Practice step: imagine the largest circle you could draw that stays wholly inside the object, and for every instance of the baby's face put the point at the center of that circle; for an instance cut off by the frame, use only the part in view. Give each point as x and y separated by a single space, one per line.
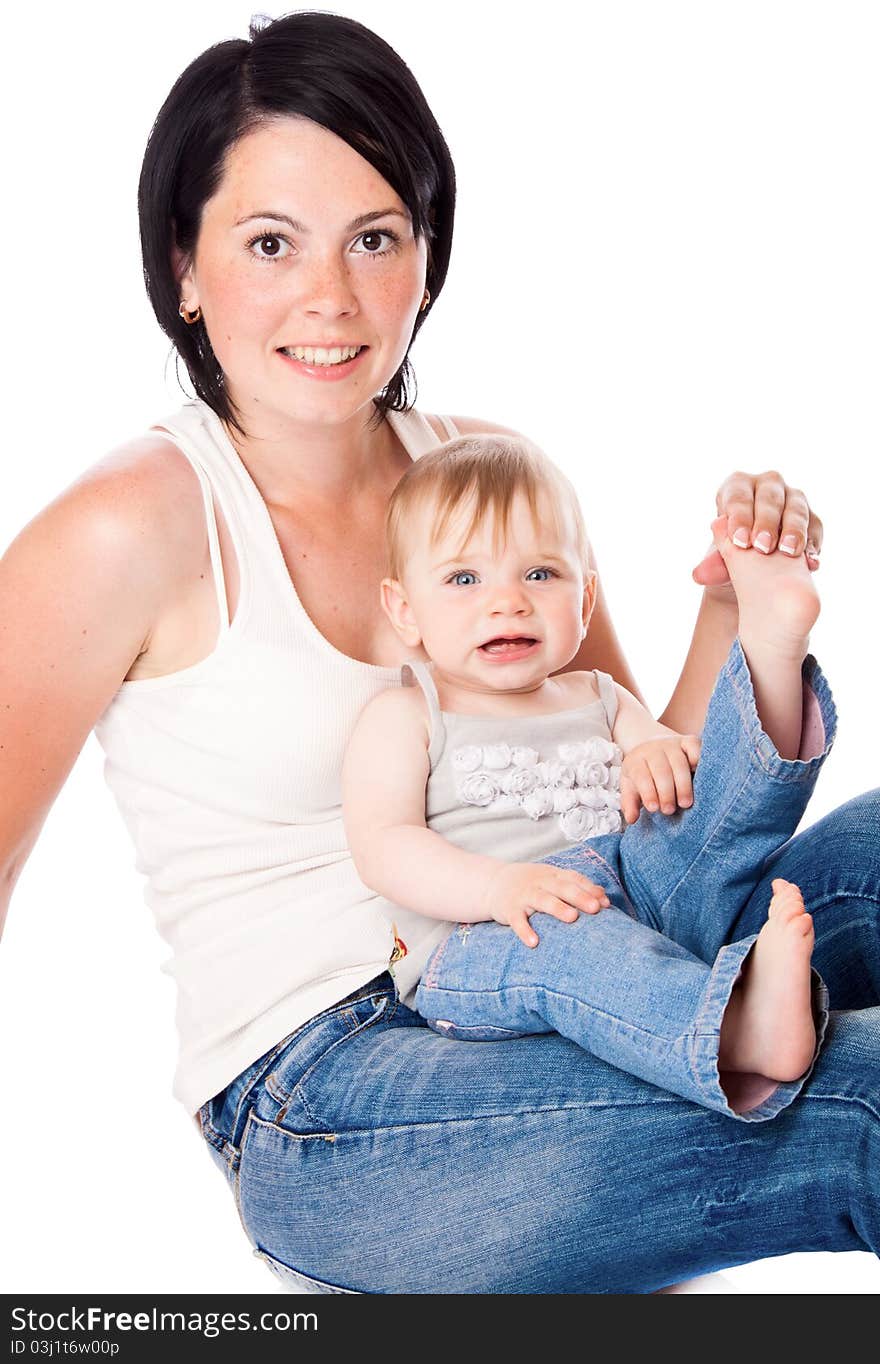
499 618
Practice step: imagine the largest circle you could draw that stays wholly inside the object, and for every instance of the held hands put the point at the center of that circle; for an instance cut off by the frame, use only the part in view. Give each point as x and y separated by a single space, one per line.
657 775
762 511
520 889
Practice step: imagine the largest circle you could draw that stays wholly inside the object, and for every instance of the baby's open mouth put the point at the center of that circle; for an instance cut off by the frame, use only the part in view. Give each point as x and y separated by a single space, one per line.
506 645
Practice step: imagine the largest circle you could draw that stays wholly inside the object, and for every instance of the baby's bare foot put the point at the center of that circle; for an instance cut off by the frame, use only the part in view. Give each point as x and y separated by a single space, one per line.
768 1024
776 596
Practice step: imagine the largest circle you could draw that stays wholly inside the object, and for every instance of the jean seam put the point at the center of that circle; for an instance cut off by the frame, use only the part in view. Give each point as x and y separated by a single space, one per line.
634 1028
282 1096
777 768
719 989
297 1090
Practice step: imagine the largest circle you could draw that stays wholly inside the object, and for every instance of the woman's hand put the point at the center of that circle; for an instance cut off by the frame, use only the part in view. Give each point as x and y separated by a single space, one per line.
764 513
520 889
657 775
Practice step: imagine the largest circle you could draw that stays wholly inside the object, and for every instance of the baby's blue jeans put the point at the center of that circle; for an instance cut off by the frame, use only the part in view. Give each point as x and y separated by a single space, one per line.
633 984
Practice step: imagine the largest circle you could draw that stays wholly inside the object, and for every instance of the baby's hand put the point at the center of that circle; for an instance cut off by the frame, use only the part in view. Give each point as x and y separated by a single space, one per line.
657 774
520 889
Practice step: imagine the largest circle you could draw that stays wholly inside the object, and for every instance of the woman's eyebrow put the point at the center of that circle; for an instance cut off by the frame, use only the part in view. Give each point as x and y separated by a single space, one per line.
361 221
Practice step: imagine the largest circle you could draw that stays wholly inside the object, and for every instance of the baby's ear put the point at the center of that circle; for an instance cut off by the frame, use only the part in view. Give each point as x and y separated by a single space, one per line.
395 604
591 584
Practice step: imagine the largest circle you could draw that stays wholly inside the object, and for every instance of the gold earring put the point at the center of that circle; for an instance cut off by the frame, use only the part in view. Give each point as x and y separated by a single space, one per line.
425 301
189 318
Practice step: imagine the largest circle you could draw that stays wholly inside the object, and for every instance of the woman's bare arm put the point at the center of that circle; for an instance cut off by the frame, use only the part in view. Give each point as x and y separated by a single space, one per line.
80 589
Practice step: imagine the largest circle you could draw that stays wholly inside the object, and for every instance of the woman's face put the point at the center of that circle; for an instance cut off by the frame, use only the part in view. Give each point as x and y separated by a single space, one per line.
303 246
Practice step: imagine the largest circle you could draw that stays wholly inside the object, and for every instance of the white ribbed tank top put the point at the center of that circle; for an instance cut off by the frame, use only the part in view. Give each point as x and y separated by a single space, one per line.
227 774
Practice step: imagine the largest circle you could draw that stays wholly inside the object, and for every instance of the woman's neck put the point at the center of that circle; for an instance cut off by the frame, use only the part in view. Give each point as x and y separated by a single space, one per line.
320 464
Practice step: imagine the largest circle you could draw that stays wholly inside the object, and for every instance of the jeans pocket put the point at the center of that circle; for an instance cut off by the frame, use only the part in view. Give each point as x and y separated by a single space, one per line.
294 1281
283 1087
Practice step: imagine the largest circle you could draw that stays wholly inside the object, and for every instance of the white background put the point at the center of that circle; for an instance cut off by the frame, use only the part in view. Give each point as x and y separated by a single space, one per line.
665 268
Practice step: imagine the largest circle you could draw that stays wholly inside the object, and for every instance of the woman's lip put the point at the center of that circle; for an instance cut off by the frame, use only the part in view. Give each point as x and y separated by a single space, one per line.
324 373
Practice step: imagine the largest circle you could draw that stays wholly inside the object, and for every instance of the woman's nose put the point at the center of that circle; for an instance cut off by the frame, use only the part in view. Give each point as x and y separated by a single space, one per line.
325 288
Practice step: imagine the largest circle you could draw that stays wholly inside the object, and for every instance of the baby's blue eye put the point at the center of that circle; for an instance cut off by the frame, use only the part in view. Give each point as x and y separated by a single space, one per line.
465 573
547 573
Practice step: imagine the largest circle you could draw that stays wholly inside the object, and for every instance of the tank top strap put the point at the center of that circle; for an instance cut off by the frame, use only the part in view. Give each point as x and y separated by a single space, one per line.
608 696
188 450
449 427
417 673
417 434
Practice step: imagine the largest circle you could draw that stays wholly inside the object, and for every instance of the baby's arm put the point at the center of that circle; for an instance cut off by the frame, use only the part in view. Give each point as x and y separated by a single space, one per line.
384 777
657 763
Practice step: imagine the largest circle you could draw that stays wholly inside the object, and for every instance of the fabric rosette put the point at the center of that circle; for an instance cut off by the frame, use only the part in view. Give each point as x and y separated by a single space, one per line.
564 799
478 788
538 802
579 823
591 772
556 774
467 758
519 781
496 757
597 749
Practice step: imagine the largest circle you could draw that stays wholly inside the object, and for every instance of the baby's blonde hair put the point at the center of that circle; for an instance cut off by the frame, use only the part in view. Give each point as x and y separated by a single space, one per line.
488 471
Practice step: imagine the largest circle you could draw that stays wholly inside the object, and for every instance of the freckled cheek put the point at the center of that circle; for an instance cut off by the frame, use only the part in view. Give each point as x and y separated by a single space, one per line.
238 312
394 302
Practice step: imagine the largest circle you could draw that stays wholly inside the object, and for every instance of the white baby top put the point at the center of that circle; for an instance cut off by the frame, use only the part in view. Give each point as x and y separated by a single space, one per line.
227 774
518 788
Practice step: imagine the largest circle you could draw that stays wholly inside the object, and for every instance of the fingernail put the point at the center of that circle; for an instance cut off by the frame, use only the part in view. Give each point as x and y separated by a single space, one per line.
741 538
764 541
813 551
788 544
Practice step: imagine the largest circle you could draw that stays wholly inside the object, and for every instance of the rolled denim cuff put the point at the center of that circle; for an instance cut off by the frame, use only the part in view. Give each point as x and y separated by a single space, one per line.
819 719
759 1098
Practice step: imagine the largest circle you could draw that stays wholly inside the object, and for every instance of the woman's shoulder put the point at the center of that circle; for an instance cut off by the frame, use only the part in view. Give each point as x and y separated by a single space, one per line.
470 426
136 510
145 487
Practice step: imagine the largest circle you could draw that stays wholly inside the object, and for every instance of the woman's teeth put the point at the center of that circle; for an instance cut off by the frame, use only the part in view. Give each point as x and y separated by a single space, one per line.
318 355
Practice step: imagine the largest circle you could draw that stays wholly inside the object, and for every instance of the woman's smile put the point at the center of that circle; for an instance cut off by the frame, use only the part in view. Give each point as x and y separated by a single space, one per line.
324 363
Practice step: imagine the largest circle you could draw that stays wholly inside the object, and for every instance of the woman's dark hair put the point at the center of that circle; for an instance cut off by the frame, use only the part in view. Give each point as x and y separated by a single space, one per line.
314 65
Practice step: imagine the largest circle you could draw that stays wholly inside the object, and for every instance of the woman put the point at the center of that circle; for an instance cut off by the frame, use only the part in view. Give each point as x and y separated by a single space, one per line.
296 195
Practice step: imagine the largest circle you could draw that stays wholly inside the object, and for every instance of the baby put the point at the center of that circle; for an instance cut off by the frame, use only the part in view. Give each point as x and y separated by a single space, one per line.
490 758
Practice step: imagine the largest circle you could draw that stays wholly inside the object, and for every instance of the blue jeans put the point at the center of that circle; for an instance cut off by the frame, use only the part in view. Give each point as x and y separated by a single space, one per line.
612 982
368 1154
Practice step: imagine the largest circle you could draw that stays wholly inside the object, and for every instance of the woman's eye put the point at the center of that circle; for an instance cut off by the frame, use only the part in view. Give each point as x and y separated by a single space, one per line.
376 243
464 579
268 246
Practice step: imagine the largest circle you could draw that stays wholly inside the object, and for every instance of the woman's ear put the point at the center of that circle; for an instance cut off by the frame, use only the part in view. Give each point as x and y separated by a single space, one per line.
182 265
395 604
